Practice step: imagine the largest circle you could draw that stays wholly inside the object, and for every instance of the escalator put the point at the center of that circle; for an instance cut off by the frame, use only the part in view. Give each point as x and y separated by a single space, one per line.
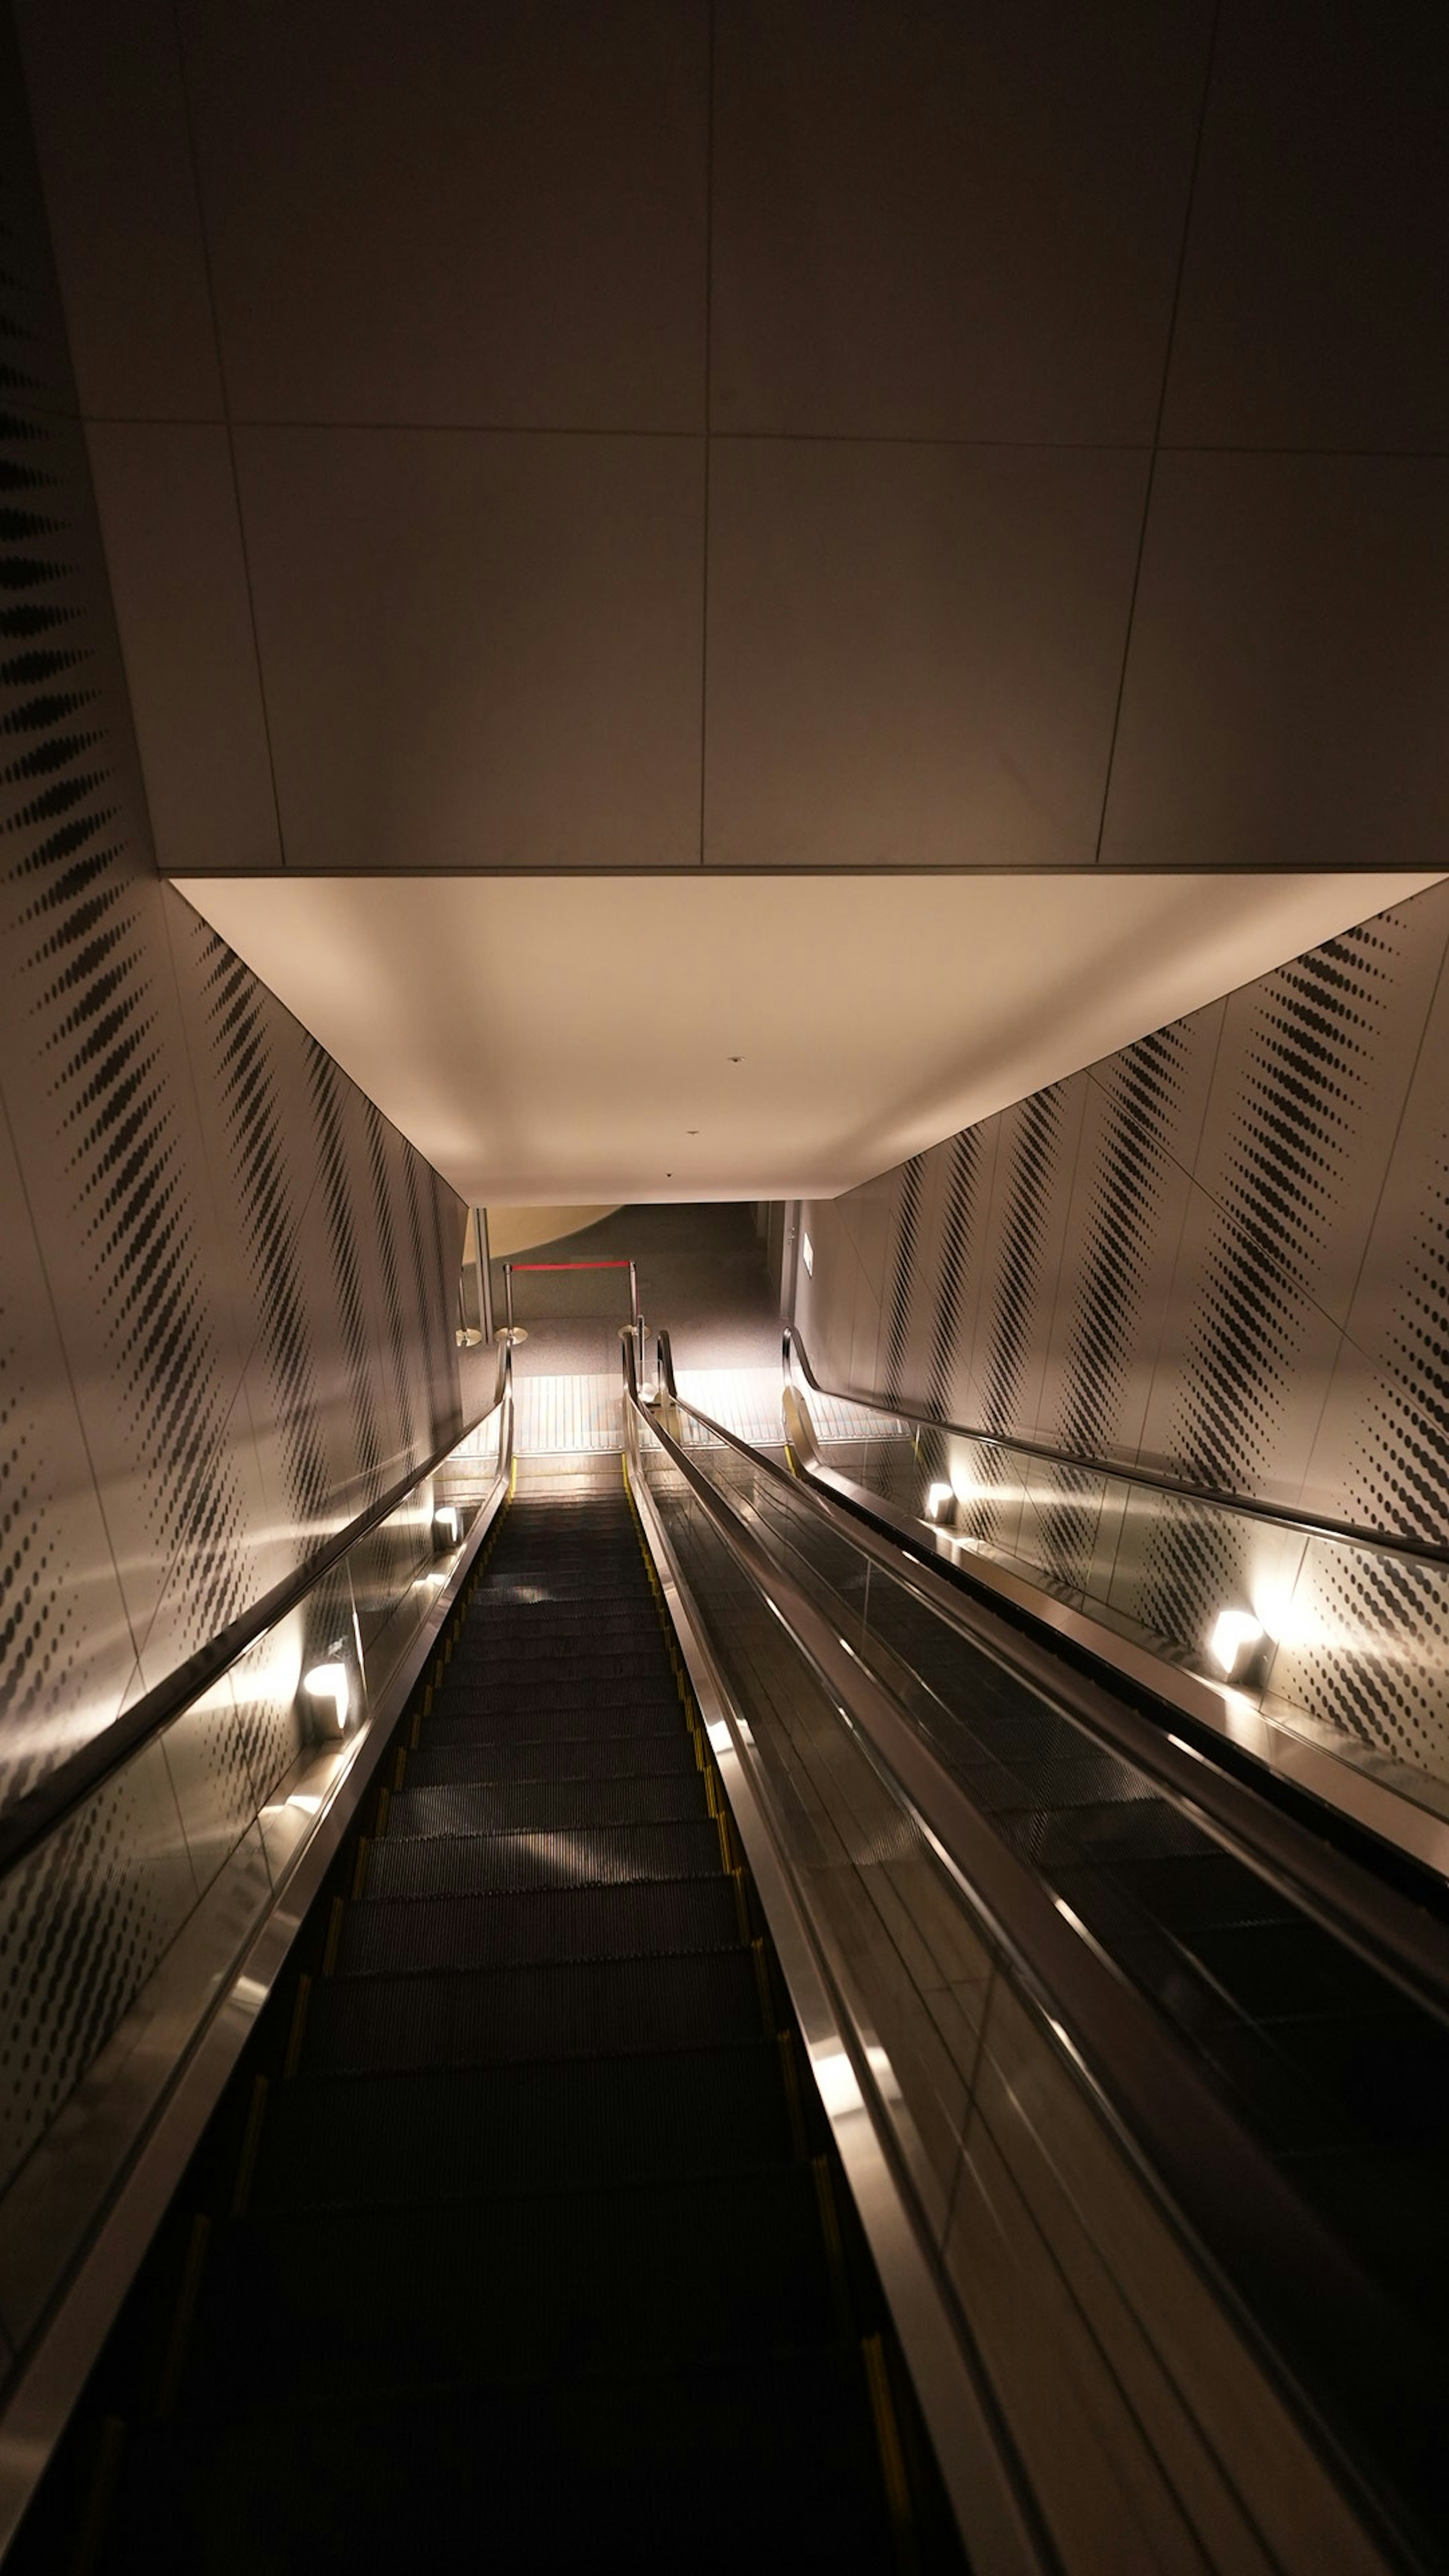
783 2065
1263 2001
519 2234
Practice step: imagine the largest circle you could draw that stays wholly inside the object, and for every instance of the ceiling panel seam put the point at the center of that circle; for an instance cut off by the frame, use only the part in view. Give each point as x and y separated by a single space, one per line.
230 431
1207 80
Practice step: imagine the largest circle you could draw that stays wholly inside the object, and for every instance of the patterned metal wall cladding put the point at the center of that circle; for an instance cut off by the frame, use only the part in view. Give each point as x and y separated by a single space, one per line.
225 1282
1224 1251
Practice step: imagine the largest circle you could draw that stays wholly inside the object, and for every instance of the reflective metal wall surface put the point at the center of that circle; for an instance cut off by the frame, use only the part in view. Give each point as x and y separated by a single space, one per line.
1223 1253
225 1280
226 1287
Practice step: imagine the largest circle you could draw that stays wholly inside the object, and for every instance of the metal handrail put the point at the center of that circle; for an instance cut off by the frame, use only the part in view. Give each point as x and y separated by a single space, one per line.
1285 1515
1247 2223
36 1816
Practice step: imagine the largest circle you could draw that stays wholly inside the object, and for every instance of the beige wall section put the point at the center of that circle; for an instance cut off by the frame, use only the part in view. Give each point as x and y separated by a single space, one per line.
518 1229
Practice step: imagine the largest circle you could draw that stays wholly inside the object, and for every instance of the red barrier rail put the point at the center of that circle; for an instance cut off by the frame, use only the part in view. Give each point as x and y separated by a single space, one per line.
636 1320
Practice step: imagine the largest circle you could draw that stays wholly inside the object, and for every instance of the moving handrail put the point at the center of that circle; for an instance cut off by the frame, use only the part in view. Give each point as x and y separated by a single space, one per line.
1286 1515
36 1815
1335 2336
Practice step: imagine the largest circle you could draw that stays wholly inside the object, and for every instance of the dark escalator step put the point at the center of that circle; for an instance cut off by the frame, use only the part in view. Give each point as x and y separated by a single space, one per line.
546 1806
622 2462
342 2141
499 1676
499 2293
548 1542
535 1585
534 1672
561 1717
556 1923
477 2017
475 1703
601 1856
491 1618
518 1631
589 1757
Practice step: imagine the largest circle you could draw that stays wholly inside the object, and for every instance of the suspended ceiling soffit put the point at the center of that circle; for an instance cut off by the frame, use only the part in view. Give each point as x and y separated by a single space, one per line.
605 1039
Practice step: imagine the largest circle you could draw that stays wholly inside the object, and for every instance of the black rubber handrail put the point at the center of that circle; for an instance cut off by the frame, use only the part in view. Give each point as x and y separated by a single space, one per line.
45 1808
1428 1551
1270 2251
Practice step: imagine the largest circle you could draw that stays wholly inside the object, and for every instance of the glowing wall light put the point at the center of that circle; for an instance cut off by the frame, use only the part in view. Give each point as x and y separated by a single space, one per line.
936 1496
1233 1630
330 1682
447 1525
807 1255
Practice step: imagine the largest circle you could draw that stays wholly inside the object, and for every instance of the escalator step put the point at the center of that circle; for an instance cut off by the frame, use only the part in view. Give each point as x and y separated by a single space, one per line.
558 2478
529 1633
592 1668
602 1856
598 2008
554 1923
353 2142
553 1587
502 2292
545 1806
637 1705
590 1757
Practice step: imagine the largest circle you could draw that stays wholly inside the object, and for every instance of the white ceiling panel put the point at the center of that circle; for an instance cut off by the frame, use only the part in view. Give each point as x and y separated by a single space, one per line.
592 1040
1289 669
486 215
1312 306
478 651
109 110
914 651
940 222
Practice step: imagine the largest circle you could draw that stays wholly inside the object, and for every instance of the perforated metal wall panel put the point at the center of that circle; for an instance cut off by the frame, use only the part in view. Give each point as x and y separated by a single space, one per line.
225 1280
1223 1251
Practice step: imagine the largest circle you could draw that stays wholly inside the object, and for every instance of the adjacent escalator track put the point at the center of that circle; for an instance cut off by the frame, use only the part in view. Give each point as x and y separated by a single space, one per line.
522 2231
1267 2017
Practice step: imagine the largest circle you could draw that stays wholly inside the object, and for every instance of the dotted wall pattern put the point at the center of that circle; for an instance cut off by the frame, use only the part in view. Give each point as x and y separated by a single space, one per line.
226 1283
951 1315
43 1644
905 1254
1311 1051
1253 1294
1028 1165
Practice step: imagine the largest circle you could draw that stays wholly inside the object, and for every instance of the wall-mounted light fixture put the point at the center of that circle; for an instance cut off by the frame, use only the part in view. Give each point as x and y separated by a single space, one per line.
447 1525
936 1495
1232 1631
807 1255
330 1682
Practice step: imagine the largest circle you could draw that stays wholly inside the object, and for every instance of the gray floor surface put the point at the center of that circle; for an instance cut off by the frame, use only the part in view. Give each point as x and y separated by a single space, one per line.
702 1272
